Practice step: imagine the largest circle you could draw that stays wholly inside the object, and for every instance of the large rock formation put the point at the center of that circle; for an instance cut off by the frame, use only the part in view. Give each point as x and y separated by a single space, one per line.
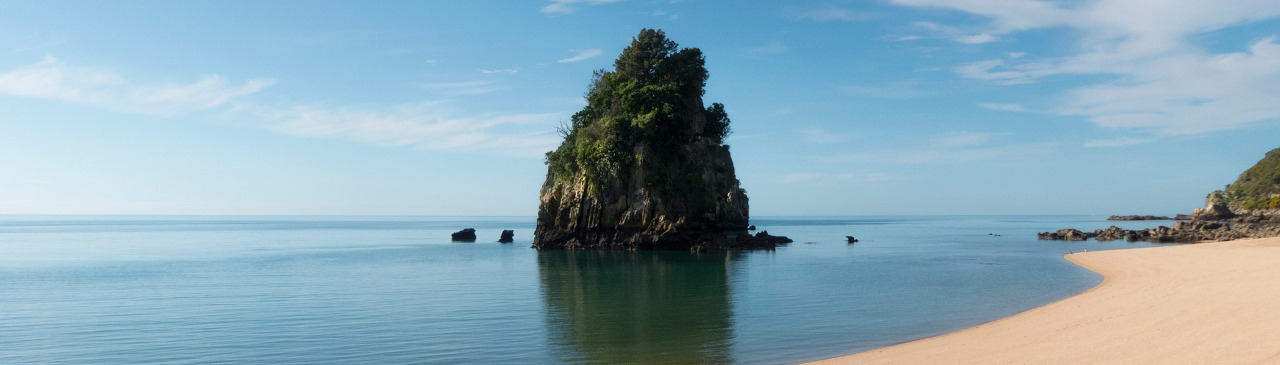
644 164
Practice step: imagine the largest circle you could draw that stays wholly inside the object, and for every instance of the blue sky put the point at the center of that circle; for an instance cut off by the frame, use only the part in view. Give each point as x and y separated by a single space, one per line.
446 107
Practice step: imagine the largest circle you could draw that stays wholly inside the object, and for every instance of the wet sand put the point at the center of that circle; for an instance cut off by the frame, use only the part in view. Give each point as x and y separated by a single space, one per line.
1208 303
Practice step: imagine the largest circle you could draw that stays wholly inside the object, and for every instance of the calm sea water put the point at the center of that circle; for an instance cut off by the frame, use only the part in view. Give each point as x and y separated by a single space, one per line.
379 290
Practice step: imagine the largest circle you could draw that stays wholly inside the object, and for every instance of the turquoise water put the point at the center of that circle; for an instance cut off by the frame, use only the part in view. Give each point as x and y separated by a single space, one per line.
376 290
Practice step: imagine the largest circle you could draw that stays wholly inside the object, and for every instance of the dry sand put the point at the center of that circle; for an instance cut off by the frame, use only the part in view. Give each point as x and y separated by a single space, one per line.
1209 303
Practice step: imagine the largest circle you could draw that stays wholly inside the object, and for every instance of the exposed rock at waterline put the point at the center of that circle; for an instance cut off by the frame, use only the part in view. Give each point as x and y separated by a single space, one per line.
465 235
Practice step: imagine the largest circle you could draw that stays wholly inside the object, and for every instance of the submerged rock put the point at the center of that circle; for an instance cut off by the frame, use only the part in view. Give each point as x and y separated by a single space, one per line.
465 235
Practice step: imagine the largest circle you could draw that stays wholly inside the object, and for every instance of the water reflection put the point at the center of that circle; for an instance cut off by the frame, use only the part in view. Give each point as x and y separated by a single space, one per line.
637 307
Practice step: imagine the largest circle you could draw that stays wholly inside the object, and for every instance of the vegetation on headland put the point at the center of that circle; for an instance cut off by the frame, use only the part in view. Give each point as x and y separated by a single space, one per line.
1257 188
638 115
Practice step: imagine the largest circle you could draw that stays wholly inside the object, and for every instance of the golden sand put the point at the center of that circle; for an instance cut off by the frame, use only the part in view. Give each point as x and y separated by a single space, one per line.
1209 303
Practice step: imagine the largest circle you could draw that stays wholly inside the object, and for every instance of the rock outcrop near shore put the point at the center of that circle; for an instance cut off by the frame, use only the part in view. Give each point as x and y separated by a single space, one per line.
465 235
1140 218
644 164
1247 208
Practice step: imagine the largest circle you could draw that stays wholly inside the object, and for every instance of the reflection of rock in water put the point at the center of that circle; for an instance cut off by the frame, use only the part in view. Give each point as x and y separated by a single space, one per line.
613 307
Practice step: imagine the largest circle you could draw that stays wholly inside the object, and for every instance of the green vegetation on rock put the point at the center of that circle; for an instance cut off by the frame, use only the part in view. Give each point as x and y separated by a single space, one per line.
1257 188
638 114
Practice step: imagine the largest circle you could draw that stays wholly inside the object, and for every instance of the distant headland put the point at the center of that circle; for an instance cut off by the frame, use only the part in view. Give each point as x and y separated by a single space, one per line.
1247 208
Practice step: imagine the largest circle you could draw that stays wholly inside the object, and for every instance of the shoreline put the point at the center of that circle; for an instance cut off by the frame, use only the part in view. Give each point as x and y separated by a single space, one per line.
1200 303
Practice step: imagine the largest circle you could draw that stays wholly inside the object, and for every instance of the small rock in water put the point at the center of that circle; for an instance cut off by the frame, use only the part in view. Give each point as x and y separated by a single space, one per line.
508 236
751 228
465 235
851 239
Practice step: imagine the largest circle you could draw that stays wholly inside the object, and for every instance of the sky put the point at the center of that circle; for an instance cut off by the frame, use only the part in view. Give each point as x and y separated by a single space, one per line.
873 107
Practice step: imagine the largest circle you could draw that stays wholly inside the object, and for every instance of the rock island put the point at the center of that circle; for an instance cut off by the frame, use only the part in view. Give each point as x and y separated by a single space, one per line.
644 165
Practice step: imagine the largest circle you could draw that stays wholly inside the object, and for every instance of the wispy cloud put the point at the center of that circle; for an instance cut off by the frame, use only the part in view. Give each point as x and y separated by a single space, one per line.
822 135
832 13
1003 107
864 177
461 87
583 55
953 147
1118 142
956 34
964 139
54 80
796 177
425 125
1162 83
977 38
768 48
848 178
908 89
569 6
434 125
491 71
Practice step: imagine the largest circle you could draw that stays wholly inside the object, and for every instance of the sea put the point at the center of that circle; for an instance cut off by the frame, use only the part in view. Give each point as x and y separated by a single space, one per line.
396 290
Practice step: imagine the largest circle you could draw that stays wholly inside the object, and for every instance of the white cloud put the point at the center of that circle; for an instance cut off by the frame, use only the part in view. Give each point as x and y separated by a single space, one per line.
54 80
569 6
426 125
833 13
1161 82
583 55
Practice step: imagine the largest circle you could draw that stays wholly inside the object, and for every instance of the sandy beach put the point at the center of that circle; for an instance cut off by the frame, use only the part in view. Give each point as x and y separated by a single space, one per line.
1209 303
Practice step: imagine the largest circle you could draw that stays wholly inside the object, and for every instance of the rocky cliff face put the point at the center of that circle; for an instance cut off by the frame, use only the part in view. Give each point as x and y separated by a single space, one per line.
643 165
627 213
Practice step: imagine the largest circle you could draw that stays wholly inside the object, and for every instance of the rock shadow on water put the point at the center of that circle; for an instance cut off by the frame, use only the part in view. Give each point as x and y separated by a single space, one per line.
637 307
